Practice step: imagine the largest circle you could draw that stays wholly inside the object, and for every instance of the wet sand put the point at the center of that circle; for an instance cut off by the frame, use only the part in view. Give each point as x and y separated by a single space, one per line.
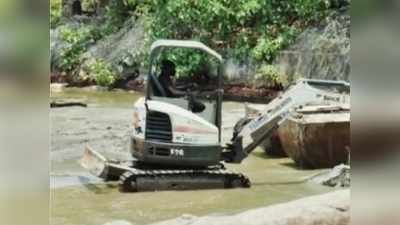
81 199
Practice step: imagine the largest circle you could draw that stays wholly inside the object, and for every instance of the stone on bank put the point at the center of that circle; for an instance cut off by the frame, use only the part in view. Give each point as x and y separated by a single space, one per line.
328 209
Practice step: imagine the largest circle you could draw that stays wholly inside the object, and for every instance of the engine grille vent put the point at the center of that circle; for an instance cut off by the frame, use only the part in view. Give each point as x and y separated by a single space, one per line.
158 127
160 151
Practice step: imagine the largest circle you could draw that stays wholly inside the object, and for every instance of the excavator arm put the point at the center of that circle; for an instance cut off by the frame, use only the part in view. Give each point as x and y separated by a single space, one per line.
303 92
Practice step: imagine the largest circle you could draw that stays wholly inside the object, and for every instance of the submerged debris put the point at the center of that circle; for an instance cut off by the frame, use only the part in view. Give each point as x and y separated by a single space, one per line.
339 176
55 104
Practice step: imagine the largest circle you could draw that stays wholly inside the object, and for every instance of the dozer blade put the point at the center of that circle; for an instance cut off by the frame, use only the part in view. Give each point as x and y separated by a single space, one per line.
99 166
94 162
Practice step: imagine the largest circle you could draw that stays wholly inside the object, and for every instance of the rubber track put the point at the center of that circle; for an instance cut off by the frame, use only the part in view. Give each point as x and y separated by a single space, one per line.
136 173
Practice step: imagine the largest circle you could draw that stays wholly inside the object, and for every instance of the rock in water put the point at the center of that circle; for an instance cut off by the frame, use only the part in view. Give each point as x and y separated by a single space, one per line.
118 222
327 209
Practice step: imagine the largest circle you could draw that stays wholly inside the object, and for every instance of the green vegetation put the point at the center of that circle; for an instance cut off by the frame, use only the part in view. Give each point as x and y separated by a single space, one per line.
242 30
255 29
55 12
101 72
190 62
245 30
117 13
267 75
89 5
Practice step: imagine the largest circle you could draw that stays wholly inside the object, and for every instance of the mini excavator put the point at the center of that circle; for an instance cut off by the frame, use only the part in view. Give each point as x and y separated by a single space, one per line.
177 147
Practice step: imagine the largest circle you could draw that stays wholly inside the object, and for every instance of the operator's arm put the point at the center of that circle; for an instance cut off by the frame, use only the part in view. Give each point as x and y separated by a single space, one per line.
183 86
169 87
181 90
176 92
186 86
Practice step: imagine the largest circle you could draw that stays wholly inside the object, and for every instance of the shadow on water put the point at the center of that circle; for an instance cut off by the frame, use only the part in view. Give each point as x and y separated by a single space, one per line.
293 165
92 98
263 155
279 183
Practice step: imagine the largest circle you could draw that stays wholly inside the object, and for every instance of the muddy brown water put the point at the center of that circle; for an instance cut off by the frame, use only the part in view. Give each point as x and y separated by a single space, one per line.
80 199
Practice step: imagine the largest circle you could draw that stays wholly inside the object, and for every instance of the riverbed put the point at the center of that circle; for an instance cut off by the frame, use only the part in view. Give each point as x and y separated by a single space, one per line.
80 199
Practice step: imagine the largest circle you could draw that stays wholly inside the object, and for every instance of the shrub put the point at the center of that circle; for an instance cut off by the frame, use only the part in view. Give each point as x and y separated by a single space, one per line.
267 47
117 12
89 5
267 75
101 72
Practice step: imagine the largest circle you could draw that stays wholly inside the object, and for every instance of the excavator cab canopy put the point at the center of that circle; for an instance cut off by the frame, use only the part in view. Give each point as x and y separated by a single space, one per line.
163 45
204 97
159 45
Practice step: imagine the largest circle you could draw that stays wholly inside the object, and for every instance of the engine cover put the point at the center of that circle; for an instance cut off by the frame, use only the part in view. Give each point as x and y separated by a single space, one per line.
166 134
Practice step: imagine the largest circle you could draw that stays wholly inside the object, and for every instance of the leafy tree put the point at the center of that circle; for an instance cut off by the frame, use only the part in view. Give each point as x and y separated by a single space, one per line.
245 30
241 29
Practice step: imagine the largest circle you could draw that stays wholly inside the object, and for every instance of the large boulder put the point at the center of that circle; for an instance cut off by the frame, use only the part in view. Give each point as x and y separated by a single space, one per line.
327 209
320 52
122 49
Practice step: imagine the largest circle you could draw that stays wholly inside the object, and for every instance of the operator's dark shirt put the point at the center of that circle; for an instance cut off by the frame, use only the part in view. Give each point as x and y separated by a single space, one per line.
166 83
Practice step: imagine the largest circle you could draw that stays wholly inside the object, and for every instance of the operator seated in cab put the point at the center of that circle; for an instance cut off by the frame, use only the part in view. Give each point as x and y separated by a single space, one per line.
172 91
165 79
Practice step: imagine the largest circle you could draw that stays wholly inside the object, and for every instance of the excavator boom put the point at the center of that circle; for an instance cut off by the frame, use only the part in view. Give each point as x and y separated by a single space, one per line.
304 91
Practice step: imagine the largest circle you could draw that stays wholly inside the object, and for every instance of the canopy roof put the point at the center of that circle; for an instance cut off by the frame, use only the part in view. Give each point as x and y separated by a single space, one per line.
183 44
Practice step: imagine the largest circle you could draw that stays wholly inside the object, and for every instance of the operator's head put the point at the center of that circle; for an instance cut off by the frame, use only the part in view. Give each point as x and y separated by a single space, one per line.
168 67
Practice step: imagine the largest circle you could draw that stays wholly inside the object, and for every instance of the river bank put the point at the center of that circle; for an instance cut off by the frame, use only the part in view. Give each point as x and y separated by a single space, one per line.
332 209
232 92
